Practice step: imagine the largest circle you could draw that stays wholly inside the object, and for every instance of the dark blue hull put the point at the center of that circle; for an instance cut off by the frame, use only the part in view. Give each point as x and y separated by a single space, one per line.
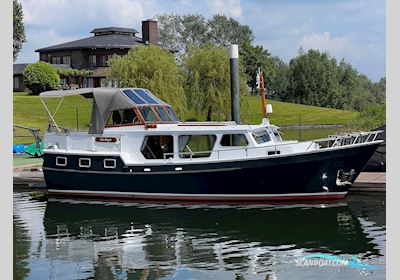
323 174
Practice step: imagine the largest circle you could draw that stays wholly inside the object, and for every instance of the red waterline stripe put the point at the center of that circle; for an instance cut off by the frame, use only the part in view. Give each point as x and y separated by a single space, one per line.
202 198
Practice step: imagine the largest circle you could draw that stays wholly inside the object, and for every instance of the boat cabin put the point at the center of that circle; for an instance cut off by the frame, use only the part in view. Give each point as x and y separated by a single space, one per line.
147 110
140 127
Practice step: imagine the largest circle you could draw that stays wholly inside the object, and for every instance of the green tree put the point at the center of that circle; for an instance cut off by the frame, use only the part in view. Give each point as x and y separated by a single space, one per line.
381 91
254 58
153 68
207 80
313 79
193 30
279 79
18 29
40 76
170 31
224 31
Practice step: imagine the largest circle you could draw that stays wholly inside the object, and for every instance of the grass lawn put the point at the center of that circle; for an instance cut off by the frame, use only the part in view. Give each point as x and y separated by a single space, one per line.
29 111
286 113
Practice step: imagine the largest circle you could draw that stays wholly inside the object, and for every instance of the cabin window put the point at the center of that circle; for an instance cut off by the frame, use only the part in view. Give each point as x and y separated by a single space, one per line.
119 117
110 163
277 136
229 140
261 136
148 114
196 146
132 96
163 115
61 161
145 96
155 146
84 162
172 114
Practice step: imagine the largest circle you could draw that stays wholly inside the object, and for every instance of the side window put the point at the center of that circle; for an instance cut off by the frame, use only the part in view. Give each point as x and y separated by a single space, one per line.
261 136
109 163
277 136
129 116
61 161
196 146
229 140
154 147
125 116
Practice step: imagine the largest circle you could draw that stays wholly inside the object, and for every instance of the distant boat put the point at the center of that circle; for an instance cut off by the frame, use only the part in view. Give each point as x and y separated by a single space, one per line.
137 148
378 160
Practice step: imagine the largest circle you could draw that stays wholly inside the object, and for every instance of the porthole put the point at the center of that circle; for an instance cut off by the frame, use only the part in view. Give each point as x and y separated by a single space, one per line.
84 162
61 161
110 163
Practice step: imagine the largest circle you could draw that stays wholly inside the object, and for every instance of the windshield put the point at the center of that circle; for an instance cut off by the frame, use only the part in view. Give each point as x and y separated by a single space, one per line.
261 136
148 114
162 114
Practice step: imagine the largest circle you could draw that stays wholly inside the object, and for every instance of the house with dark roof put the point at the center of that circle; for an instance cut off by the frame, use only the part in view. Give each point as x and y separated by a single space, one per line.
93 52
18 79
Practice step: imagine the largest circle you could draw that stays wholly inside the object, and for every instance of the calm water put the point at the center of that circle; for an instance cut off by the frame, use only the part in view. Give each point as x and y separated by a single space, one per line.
65 239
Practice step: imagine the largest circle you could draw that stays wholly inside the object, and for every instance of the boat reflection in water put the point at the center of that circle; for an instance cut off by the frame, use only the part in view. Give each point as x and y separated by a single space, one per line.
157 240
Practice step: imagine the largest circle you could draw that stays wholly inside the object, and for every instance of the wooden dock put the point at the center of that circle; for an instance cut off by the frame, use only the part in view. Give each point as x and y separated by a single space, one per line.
370 182
366 181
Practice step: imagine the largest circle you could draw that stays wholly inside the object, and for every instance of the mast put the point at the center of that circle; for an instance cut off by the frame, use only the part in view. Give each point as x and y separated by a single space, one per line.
260 85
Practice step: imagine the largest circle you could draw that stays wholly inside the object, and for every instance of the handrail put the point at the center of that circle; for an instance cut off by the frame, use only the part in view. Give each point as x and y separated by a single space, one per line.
334 138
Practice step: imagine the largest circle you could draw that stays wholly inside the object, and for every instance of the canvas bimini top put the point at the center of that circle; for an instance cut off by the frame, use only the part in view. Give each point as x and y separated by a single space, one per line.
119 106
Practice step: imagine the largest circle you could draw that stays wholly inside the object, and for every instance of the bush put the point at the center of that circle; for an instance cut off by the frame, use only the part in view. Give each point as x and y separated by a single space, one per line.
40 76
373 116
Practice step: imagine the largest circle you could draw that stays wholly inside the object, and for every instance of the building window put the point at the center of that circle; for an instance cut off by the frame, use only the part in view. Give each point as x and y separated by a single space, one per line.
154 147
56 60
92 61
63 82
196 146
229 140
102 60
16 82
89 82
66 59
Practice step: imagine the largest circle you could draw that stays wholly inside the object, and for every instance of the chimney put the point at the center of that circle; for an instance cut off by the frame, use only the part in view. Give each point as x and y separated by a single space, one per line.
149 32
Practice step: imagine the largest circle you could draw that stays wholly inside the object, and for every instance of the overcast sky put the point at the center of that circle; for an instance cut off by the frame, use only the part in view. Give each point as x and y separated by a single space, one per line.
349 29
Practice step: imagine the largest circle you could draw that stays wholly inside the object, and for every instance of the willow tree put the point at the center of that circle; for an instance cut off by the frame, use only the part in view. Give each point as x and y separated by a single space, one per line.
207 80
18 29
153 68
